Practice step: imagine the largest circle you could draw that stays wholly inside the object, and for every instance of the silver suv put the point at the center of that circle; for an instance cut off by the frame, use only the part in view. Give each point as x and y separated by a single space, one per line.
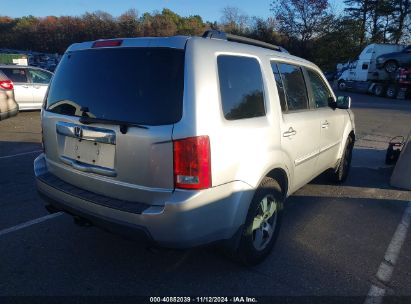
188 140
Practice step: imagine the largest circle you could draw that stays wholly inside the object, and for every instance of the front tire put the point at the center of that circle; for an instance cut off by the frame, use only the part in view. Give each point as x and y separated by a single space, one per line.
262 223
340 174
378 90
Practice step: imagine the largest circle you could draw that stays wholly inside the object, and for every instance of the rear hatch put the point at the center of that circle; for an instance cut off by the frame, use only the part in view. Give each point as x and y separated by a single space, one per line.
109 117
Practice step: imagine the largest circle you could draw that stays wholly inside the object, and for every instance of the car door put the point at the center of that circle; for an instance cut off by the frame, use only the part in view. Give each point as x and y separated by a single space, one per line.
300 127
332 120
22 87
40 81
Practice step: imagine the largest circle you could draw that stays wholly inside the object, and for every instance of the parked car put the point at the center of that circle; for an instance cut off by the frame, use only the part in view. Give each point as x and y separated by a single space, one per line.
8 105
30 85
188 140
392 61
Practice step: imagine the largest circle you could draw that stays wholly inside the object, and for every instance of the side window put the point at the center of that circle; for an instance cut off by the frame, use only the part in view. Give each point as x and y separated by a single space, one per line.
280 86
38 76
321 94
16 75
241 87
294 85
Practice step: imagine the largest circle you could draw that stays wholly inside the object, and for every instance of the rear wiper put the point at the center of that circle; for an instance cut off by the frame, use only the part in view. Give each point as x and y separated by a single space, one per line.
124 125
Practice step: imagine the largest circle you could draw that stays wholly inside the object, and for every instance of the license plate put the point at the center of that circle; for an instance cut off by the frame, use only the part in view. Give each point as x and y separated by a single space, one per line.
89 152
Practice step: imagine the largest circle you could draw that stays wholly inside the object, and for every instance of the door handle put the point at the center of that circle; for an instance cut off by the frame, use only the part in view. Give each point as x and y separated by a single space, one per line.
37 87
26 86
325 125
290 132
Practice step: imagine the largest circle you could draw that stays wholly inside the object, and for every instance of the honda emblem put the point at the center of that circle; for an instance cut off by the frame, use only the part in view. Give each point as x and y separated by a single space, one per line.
78 132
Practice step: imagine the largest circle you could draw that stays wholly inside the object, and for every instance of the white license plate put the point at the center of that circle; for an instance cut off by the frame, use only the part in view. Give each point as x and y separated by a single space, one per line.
90 152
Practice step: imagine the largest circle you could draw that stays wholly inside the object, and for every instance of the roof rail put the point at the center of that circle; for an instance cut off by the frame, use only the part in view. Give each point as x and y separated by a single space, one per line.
215 34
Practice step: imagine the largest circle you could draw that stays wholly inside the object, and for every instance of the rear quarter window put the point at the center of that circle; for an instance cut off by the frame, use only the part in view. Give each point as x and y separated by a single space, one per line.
241 87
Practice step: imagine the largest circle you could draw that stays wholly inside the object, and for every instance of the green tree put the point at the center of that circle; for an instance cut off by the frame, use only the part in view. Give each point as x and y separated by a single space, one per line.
359 10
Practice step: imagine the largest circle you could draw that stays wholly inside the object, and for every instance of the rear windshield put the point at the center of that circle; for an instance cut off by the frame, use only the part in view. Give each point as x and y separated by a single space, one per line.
138 85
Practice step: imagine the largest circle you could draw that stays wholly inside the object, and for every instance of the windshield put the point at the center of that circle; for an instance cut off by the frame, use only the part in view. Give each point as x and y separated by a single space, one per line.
139 85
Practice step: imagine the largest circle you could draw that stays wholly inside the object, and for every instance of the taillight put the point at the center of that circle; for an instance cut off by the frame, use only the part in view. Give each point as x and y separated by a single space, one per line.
107 43
6 84
192 163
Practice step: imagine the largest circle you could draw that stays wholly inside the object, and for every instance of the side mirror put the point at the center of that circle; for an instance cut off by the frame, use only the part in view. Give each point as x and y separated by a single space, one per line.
343 102
332 103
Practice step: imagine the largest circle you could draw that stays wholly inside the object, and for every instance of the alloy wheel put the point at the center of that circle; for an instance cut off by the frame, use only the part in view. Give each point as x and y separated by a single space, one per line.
264 223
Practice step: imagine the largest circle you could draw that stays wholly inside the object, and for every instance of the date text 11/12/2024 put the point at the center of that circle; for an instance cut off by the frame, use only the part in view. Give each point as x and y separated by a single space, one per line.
203 300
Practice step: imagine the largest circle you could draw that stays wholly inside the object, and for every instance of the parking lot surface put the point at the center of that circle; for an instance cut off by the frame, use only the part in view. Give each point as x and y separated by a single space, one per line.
333 239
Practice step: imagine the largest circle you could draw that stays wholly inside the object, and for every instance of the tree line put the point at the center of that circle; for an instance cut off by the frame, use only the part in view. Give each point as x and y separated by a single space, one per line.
313 29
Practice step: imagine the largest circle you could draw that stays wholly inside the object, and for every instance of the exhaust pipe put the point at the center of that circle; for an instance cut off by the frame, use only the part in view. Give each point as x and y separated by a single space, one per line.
81 221
51 209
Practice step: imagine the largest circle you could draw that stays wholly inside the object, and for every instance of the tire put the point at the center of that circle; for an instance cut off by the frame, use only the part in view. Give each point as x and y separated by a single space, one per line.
342 86
262 224
378 90
340 174
390 66
391 91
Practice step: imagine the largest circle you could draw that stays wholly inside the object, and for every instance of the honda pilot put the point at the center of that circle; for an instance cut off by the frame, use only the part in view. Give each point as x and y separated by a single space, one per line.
187 141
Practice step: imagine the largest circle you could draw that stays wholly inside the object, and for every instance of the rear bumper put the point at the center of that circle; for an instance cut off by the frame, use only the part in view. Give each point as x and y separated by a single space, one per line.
10 113
186 219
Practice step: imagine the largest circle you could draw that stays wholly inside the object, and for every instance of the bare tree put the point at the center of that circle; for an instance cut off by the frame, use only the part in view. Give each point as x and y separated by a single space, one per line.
301 19
234 20
401 12
359 10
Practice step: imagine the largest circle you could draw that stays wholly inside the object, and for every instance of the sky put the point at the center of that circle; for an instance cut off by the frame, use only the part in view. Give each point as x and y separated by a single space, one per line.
209 10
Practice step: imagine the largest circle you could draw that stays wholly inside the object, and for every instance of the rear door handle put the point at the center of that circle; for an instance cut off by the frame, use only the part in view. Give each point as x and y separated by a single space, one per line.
325 125
290 132
26 86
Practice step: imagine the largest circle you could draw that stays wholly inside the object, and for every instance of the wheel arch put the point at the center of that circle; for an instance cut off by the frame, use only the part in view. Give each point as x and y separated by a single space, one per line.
349 132
280 175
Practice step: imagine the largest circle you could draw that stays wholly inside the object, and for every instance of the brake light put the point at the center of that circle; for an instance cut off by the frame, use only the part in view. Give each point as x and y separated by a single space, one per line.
6 84
192 163
107 43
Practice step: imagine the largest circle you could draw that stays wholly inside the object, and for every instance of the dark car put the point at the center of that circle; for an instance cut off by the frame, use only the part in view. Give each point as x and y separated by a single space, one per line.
392 61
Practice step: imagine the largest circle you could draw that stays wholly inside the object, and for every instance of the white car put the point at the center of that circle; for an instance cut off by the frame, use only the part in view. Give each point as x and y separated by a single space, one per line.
30 85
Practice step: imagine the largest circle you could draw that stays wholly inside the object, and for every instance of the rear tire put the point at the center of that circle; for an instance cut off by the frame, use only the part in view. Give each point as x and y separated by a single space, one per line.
262 224
340 174
391 91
